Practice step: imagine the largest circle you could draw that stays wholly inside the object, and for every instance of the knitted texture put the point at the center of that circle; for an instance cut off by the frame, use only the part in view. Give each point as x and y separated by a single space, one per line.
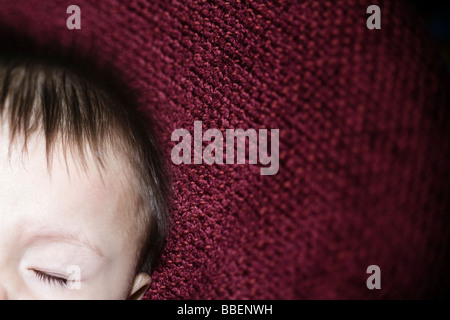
364 139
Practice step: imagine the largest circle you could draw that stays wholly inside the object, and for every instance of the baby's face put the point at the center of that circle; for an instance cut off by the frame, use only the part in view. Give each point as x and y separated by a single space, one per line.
64 234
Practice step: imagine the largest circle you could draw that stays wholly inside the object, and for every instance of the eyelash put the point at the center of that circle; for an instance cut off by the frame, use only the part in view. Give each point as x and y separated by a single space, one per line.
50 279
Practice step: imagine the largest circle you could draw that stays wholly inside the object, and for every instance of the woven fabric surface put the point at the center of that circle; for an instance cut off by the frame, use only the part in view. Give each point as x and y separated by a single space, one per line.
364 139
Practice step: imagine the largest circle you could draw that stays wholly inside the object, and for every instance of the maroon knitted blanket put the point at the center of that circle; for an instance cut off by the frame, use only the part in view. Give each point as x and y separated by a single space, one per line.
363 119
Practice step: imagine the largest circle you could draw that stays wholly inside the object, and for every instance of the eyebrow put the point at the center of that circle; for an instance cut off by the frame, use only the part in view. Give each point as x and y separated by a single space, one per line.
71 238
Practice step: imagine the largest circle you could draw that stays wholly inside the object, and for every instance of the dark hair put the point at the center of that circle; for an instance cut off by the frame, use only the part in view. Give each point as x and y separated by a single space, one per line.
79 111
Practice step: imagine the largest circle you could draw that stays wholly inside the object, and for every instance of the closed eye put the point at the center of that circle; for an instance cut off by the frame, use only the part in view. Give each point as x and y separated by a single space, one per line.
50 278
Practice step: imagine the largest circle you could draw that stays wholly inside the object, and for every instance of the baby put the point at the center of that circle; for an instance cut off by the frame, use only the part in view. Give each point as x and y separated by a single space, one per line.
83 188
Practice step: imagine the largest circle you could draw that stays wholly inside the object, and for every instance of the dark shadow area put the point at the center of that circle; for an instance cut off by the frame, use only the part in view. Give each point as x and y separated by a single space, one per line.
437 17
19 45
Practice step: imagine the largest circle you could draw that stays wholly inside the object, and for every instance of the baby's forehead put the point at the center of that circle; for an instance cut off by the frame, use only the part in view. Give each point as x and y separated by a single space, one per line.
100 148
69 195
63 178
